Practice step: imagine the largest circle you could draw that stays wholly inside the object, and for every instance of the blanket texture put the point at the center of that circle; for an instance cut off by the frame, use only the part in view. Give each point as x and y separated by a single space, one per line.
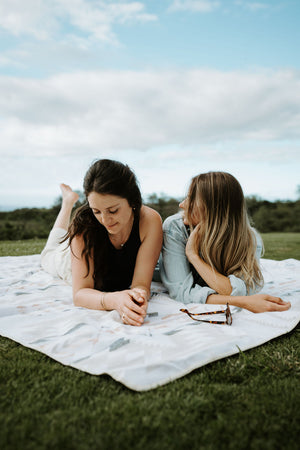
36 310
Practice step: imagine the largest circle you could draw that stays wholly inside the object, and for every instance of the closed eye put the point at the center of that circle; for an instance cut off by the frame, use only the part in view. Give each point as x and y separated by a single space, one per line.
96 211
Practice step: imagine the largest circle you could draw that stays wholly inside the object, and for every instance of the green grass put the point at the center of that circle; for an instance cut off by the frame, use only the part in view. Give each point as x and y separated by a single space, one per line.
280 246
247 401
26 247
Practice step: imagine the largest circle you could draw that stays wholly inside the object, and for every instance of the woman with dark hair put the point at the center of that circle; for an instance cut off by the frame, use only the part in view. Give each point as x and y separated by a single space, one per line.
210 253
114 239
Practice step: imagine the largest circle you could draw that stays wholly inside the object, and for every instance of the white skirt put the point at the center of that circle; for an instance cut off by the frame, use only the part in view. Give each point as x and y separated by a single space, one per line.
56 257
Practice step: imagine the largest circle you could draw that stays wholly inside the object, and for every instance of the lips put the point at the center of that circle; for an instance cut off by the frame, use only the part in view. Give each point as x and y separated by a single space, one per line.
110 227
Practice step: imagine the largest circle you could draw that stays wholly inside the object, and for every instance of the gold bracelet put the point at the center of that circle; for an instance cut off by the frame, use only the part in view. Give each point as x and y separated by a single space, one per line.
102 301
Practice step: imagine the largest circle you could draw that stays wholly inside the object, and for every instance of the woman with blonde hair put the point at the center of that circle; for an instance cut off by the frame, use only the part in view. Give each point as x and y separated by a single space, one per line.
210 253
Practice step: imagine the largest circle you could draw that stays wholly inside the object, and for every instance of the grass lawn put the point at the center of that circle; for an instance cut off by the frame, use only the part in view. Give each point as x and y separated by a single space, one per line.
246 401
18 248
280 246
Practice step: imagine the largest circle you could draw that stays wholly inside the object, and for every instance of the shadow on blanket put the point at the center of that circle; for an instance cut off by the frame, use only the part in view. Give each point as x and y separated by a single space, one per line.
36 310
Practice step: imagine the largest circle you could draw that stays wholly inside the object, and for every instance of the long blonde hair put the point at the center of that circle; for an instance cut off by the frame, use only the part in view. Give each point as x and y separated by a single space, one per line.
225 239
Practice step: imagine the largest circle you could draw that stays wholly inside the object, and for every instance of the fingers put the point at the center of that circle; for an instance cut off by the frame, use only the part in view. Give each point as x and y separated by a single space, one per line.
136 307
138 295
259 303
273 299
133 314
131 318
139 301
281 305
132 308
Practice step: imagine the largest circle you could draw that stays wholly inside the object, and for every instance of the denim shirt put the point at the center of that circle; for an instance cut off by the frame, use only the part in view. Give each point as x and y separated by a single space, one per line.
175 269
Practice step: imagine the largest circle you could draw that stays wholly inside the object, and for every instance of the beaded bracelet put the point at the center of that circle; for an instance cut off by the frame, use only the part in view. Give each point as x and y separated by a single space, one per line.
102 301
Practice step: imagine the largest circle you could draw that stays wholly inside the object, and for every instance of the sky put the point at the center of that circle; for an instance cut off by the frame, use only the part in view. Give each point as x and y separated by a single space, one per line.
173 88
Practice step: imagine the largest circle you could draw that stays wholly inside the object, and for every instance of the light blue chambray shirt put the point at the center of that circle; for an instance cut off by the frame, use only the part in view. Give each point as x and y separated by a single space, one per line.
175 271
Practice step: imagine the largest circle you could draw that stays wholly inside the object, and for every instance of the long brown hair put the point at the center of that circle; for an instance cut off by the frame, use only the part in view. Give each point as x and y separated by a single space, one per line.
104 176
225 239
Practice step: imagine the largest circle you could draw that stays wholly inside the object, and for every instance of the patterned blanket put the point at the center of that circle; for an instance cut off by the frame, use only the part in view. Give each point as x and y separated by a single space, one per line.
36 310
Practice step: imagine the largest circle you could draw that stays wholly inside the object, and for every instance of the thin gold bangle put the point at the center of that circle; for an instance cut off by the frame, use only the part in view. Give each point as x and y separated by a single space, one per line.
102 304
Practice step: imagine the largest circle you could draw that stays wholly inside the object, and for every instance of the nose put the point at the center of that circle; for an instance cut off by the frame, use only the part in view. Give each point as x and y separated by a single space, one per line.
106 219
182 204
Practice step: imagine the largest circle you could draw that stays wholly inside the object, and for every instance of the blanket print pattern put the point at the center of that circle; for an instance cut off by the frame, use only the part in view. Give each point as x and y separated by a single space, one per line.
36 310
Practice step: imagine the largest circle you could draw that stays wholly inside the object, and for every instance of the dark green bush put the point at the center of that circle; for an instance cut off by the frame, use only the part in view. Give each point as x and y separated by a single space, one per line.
267 217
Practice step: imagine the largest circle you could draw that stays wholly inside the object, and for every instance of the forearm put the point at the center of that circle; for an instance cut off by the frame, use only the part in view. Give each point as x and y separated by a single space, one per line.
242 301
217 299
94 299
256 303
216 281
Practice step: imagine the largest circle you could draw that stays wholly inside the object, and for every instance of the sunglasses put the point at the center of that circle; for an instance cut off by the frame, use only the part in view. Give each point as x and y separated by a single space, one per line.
226 311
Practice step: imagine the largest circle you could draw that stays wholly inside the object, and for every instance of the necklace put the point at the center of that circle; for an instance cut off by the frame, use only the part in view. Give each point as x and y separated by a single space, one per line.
123 242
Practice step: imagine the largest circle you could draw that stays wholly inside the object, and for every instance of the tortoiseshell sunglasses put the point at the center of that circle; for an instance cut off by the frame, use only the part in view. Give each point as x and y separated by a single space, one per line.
226 311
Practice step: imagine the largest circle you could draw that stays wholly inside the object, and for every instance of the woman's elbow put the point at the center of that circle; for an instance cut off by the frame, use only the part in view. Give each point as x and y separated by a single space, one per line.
76 298
225 291
238 287
175 292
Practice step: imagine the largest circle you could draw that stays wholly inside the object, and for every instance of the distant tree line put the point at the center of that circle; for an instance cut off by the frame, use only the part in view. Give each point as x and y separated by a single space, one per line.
27 223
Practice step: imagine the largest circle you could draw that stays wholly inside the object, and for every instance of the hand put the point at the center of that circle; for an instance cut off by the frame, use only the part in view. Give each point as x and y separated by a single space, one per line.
259 303
132 306
190 248
140 296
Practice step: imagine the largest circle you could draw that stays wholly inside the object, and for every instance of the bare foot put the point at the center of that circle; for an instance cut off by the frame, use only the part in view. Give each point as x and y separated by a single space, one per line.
68 195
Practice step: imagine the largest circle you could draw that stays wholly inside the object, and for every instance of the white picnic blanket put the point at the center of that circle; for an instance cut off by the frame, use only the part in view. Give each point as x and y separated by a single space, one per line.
36 310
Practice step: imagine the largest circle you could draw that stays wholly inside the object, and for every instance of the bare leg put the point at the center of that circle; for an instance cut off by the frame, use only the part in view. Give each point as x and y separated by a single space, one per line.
69 198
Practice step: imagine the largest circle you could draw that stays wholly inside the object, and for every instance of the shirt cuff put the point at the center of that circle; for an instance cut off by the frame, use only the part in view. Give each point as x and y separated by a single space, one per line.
238 286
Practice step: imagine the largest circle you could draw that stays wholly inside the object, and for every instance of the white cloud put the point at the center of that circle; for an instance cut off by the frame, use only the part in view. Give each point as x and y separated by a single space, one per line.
252 6
18 17
205 6
74 113
45 19
201 6
7 60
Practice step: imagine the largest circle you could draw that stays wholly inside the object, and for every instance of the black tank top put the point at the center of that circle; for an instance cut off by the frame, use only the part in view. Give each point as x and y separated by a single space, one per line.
121 262
197 279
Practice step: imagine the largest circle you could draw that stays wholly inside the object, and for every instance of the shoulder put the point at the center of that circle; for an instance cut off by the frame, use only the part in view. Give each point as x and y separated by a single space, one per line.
77 245
258 242
256 236
175 224
150 220
149 215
